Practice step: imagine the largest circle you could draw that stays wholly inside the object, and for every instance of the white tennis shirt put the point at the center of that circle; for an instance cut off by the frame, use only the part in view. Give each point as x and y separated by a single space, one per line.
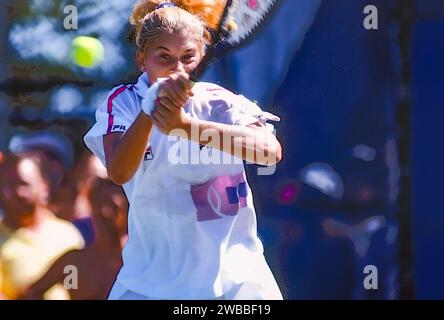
191 227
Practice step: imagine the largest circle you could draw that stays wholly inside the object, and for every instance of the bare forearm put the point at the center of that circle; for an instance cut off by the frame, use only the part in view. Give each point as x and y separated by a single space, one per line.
125 154
253 144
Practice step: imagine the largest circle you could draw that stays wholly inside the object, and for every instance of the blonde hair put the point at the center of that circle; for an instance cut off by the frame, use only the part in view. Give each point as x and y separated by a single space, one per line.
198 17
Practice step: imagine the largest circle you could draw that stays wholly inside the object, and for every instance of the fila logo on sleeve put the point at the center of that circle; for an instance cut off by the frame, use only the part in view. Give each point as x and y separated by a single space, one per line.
118 127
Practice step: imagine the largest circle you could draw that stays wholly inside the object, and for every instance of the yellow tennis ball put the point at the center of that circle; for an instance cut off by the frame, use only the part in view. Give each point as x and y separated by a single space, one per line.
87 52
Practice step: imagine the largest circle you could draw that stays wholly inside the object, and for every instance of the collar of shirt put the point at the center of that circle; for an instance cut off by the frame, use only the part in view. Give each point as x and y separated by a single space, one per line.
142 85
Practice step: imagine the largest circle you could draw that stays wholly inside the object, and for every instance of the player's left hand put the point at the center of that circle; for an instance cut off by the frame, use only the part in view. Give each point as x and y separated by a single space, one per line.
168 116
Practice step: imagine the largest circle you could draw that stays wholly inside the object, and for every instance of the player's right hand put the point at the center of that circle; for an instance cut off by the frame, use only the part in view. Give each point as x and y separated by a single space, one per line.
177 89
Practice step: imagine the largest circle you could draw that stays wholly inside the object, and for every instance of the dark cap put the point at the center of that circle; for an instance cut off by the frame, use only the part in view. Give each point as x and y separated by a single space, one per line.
54 144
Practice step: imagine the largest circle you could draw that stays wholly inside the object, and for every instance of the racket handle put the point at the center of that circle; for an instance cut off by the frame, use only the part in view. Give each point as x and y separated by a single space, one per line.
197 73
210 57
213 49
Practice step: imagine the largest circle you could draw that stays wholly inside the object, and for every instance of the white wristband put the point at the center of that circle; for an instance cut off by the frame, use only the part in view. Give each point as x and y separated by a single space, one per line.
149 102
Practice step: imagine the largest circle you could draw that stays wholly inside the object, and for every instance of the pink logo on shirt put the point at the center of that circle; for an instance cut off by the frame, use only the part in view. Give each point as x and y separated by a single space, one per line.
219 197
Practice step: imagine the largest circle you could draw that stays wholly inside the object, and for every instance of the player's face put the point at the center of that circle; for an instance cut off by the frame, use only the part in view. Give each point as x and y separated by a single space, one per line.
170 53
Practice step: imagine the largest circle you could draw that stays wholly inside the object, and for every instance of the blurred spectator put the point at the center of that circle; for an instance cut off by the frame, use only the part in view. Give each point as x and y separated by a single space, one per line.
4 231
67 194
71 200
37 238
99 263
86 171
63 200
65 204
54 149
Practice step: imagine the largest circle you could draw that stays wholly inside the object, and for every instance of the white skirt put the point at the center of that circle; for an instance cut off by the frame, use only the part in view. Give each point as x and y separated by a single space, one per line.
241 291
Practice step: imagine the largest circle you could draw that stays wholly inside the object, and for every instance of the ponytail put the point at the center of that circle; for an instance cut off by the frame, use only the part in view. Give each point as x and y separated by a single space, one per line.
198 16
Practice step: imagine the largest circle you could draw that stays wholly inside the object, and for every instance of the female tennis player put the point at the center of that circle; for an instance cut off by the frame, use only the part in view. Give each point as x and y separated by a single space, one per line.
173 145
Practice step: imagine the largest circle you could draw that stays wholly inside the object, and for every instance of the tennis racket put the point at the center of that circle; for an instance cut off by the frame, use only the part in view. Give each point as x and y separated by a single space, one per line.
239 21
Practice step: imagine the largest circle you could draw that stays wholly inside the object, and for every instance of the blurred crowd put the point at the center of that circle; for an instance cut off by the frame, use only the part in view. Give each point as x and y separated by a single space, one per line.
62 222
